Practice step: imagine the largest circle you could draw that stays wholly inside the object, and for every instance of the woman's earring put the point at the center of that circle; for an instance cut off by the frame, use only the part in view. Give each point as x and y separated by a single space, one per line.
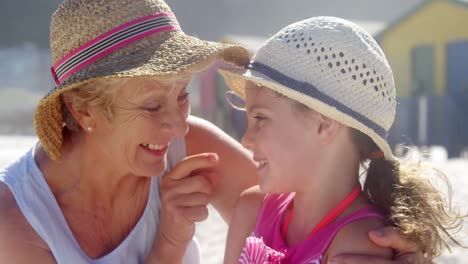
90 129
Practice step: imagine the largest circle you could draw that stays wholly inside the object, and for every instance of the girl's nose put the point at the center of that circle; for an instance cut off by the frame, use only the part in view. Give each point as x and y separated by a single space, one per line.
247 140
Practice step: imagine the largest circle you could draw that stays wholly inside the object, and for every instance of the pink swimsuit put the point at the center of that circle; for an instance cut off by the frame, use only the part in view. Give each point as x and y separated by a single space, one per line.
267 246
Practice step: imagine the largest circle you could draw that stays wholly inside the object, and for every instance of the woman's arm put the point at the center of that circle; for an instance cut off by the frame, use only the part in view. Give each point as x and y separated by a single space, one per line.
242 223
406 251
236 170
19 243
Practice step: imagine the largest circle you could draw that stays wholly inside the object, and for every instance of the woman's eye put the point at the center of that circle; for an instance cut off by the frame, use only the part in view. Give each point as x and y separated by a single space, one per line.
183 97
153 109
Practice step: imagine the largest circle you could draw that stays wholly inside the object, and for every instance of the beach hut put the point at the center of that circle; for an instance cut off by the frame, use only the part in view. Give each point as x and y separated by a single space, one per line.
427 48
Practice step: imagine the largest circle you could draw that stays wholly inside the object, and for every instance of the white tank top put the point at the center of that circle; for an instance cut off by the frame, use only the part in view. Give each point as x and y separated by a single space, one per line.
41 210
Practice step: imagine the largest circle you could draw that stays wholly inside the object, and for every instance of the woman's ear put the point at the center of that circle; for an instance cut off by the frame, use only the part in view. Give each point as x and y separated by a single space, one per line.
327 129
83 117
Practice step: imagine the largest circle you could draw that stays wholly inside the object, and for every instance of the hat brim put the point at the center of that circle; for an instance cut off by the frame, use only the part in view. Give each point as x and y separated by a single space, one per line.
148 57
236 79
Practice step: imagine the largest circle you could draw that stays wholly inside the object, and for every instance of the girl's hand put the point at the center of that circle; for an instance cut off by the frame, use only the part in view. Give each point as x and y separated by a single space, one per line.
406 252
184 193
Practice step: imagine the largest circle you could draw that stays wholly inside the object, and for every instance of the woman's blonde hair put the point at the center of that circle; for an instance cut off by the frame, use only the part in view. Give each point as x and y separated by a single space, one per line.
101 93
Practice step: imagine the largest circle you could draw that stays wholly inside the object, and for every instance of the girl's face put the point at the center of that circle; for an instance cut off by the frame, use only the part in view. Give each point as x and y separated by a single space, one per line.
147 116
281 139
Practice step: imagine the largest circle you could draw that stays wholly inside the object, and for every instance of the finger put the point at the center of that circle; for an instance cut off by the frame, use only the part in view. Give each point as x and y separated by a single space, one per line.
195 213
195 184
359 259
392 237
209 173
192 163
194 199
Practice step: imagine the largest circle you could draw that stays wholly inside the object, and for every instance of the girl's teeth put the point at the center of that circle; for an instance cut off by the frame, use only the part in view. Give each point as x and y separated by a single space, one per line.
262 162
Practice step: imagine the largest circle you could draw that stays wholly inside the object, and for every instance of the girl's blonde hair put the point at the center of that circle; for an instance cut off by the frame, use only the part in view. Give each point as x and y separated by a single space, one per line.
408 200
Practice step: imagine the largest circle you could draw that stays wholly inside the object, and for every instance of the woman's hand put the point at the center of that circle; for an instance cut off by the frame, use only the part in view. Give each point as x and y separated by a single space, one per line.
184 193
406 252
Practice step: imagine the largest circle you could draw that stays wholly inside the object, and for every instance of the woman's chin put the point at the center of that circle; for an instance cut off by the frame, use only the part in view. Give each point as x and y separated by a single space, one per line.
150 170
149 166
155 171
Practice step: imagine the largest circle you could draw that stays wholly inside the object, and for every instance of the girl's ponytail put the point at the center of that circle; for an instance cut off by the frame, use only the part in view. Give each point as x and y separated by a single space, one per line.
381 182
408 200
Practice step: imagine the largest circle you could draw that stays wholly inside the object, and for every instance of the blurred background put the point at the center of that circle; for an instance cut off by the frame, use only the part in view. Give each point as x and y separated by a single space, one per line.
425 41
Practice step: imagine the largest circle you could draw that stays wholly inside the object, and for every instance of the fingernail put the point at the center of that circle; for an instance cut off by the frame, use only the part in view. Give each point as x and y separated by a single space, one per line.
213 157
378 233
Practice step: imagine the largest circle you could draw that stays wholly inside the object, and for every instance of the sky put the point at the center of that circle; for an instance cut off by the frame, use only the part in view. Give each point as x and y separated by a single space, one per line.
28 20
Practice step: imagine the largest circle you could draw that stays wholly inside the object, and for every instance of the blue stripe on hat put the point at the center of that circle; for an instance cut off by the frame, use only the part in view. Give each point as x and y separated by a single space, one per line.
312 91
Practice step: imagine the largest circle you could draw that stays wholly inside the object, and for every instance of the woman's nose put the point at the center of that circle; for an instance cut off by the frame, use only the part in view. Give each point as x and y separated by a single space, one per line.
176 124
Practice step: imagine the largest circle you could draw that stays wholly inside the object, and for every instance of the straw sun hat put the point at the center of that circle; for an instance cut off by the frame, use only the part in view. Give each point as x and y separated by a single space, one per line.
93 39
332 66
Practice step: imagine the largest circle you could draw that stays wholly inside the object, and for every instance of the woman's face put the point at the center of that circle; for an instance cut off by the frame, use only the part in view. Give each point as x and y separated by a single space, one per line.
281 139
147 116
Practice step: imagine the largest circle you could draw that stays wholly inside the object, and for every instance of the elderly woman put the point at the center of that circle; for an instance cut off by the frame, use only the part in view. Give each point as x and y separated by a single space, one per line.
119 115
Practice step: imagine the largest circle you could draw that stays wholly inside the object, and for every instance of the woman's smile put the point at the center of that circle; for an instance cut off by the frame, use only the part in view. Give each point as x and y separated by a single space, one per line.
155 150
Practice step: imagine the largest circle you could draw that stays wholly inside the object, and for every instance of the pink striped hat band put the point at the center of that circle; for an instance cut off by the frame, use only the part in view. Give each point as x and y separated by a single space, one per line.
111 41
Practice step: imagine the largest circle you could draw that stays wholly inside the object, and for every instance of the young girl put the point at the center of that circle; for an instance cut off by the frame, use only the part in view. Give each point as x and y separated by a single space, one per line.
320 100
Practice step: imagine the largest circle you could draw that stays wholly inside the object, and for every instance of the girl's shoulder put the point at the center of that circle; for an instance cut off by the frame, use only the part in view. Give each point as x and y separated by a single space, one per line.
279 199
251 201
243 222
260 206
353 238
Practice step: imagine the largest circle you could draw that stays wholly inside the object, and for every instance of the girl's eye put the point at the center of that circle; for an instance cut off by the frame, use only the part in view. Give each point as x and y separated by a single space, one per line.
259 117
183 97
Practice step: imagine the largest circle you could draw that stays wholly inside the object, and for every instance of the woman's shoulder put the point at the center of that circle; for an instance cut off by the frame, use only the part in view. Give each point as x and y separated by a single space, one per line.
17 165
18 240
11 218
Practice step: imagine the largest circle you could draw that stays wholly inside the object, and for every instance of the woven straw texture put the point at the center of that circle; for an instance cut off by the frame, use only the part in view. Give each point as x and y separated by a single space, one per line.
76 22
334 67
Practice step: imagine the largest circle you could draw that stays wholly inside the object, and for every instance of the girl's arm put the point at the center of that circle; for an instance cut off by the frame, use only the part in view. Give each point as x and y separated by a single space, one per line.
242 223
235 171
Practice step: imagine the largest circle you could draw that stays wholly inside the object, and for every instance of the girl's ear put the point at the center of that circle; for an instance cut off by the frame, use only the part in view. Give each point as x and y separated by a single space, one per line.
327 129
83 117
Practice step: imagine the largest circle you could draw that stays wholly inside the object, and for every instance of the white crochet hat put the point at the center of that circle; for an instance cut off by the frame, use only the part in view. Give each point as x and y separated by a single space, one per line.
332 66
